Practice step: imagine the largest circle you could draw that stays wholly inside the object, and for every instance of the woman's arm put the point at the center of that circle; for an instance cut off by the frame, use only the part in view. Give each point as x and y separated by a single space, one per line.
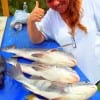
35 16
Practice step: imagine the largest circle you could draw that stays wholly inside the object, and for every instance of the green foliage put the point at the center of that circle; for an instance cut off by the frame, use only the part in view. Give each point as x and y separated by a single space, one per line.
98 87
18 4
0 9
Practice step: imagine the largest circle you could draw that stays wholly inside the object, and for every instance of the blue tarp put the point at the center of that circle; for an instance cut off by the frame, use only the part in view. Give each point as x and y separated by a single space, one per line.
14 90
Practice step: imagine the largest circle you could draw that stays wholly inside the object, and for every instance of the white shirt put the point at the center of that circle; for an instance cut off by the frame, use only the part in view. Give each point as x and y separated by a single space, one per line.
53 27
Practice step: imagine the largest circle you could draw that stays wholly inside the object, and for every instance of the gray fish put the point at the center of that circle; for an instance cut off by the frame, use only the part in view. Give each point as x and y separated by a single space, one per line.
52 73
48 89
50 57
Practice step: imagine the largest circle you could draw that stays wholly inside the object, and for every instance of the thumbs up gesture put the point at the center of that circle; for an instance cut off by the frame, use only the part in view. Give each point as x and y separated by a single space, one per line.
37 13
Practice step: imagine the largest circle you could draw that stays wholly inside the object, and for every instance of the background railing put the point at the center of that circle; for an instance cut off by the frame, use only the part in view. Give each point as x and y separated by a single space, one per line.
4 7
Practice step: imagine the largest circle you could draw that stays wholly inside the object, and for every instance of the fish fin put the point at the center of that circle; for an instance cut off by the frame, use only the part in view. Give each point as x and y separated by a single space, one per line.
40 66
52 50
37 77
37 55
60 98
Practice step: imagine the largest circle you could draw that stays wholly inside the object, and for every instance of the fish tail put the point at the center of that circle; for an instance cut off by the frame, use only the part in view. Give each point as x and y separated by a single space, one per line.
40 66
11 60
15 71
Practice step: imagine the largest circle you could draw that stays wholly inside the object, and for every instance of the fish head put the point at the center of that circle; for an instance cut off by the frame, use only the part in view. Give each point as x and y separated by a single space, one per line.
81 90
61 58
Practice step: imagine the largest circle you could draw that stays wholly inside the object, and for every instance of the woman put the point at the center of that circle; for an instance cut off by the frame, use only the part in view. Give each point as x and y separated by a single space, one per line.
68 22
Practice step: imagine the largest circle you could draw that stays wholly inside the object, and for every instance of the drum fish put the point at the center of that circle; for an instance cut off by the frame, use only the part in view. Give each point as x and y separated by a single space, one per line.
52 73
50 90
51 57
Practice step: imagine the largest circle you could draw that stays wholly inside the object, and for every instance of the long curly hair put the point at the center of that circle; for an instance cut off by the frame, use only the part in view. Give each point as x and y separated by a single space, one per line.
74 13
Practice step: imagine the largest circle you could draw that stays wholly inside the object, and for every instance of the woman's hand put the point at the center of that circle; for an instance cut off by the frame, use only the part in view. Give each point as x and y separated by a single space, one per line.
35 16
37 13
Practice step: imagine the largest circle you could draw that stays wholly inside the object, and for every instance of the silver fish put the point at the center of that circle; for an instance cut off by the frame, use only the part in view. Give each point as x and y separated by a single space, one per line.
52 73
48 89
51 57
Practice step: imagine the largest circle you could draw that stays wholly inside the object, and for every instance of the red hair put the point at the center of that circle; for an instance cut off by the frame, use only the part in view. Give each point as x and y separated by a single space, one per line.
74 14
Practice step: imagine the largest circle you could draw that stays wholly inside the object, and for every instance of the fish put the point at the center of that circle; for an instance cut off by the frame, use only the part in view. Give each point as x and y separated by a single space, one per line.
2 71
58 74
50 57
50 90
55 57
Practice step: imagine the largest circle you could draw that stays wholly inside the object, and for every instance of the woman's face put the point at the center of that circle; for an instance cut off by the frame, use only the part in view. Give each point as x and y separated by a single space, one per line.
58 5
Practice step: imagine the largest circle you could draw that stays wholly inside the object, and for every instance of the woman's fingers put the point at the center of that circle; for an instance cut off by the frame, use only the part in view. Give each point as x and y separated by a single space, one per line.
37 13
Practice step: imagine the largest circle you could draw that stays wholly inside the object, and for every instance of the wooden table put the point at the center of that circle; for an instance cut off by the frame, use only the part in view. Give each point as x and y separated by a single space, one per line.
3 20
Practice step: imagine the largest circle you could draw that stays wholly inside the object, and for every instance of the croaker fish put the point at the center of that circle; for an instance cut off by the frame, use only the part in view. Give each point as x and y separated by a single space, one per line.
51 57
45 88
52 73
